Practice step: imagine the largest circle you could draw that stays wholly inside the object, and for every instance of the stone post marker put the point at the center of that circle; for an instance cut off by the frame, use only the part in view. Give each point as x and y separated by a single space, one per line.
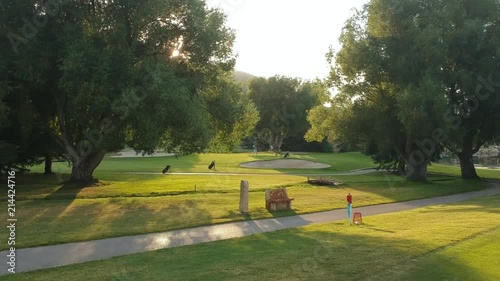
244 196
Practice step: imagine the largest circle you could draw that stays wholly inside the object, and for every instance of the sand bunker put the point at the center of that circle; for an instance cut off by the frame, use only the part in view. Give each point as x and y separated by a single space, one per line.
285 164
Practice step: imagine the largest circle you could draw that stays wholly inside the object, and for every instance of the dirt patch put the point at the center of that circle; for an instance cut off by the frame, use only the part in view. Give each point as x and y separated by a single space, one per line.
285 164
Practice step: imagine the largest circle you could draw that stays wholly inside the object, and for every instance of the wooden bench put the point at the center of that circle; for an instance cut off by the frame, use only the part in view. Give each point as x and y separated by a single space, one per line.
277 200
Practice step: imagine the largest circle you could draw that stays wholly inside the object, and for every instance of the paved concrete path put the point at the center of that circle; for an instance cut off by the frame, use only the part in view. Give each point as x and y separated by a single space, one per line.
71 253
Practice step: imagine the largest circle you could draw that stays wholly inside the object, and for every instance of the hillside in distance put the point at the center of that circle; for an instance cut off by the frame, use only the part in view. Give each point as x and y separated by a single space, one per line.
243 77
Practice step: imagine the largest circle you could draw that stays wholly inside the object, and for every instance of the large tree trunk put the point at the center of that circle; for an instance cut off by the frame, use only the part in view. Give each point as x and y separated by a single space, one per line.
279 143
275 140
467 167
465 156
416 172
416 162
401 166
48 165
84 167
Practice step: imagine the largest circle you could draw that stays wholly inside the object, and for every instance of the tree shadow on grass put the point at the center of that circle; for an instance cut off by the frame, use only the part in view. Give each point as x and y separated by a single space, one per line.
297 255
36 184
50 209
134 216
147 164
64 220
69 191
292 254
30 178
49 222
491 207
69 218
399 189
372 227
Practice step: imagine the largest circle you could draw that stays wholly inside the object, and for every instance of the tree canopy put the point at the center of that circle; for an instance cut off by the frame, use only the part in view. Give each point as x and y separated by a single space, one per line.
407 71
282 103
105 74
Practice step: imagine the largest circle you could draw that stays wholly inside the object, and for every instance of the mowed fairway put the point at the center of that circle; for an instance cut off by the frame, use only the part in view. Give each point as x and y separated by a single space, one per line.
444 242
455 170
127 203
113 167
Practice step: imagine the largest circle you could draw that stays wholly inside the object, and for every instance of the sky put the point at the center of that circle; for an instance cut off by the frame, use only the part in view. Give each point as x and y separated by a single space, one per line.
286 37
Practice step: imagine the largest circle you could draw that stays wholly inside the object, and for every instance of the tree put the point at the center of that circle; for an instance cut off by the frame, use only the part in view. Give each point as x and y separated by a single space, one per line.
282 103
234 115
418 66
463 37
472 77
388 99
121 72
24 113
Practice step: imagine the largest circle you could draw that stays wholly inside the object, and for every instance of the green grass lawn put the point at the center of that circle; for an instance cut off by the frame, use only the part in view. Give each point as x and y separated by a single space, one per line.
444 242
473 259
455 171
126 204
113 168
88 214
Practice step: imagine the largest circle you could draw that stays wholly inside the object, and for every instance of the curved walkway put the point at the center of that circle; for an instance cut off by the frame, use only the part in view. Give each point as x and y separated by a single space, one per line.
71 253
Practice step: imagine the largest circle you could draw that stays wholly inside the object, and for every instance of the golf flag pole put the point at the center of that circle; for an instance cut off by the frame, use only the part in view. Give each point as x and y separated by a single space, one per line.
349 208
